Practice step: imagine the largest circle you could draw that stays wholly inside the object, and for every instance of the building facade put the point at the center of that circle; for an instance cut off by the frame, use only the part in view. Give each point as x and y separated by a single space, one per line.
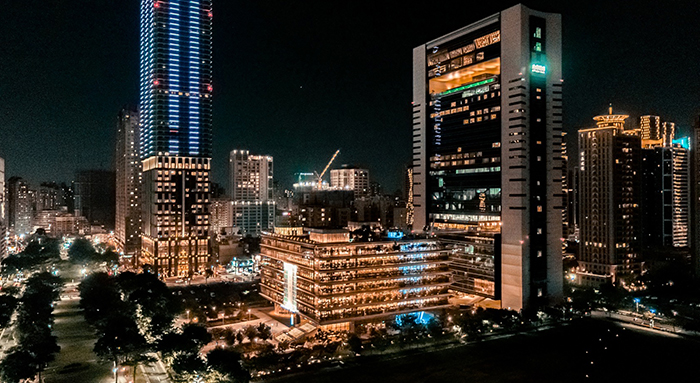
252 193
695 196
95 196
351 178
665 196
19 206
127 227
487 141
654 132
329 280
3 212
176 132
609 200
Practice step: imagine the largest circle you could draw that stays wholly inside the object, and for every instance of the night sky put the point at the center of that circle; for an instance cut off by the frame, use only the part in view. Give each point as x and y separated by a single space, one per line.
298 80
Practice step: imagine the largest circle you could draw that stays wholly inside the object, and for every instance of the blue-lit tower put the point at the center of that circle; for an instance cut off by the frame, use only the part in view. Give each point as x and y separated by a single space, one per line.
176 134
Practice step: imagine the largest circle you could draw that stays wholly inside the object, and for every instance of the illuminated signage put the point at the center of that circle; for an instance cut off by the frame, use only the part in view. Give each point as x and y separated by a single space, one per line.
468 86
395 234
289 300
539 69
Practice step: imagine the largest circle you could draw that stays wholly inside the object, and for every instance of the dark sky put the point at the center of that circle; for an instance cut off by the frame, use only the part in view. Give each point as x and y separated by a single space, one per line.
300 79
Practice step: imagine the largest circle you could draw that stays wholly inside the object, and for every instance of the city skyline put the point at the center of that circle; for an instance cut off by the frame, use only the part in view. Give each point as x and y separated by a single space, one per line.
89 78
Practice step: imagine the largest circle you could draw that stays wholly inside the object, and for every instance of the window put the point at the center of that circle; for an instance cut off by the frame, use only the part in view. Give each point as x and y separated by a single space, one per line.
538 33
538 46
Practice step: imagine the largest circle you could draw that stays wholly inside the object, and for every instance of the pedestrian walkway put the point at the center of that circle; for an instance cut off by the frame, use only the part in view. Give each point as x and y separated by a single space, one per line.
75 362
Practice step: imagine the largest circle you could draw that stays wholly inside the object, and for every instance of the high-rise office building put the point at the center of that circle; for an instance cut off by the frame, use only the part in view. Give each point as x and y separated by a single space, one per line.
487 136
695 196
609 201
19 206
176 131
127 227
665 196
250 188
351 178
221 216
3 211
95 196
654 132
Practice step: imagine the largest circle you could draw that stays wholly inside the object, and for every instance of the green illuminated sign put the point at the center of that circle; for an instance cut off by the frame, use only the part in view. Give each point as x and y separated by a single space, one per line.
465 87
539 69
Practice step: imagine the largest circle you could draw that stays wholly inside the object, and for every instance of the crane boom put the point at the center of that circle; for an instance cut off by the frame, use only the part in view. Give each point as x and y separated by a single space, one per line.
320 177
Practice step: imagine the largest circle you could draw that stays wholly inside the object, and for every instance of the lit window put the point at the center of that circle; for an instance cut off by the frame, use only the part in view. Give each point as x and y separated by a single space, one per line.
538 33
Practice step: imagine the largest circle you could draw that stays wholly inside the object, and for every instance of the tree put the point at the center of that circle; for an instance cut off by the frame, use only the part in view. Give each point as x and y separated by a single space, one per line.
109 256
8 304
99 296
119 340
81 251
171 343
264 331
17 366
250 332
229 363
198 335
355 343
188 365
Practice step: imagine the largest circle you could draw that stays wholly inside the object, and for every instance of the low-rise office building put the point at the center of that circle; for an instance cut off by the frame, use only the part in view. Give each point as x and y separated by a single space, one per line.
326 278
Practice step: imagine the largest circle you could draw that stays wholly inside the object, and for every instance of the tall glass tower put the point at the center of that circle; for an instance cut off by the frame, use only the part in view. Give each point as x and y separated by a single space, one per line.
176 131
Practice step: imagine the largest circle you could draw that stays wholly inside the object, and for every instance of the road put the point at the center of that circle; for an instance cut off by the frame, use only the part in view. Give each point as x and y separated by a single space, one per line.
637 321
75 362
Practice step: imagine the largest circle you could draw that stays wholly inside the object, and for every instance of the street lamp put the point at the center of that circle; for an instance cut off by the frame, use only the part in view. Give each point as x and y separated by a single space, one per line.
636 301
188 316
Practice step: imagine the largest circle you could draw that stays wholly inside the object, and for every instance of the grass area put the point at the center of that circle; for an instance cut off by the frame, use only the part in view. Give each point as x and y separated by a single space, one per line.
558 355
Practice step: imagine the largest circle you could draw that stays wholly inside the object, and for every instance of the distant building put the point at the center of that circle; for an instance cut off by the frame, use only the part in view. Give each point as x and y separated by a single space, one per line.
322 208
695 196
58 223
19 206
333 282
127 227
665 196
251 189
95 196
221 216
351 178
609 199
654 132
3 212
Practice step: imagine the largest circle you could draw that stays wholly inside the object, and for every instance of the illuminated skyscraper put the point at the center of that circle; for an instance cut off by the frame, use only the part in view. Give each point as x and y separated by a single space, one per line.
487 141
19 206
3 212
127 228
351 178
176 132
609 201
654 132
251 189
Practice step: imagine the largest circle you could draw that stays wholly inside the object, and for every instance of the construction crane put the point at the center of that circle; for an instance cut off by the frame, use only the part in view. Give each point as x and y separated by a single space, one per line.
320 176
